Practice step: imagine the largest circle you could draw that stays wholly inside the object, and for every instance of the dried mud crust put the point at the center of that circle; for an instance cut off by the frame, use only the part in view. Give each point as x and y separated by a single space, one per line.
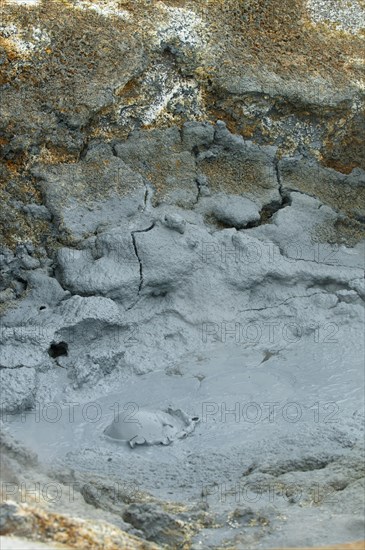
72 73
281 38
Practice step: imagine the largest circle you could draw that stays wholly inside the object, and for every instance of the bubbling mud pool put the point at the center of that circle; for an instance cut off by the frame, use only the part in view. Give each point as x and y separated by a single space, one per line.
238 401
279 420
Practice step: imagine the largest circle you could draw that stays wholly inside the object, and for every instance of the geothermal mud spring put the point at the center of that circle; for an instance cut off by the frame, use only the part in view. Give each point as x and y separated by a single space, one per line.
182 288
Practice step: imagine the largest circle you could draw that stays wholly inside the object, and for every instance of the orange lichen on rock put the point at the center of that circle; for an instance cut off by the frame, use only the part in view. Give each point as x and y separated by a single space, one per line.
39 524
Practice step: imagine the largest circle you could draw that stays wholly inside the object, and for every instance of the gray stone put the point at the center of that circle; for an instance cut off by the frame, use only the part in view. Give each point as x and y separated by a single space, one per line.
7 295
175 222
144 295
314 89
83 195
156 524
89 368
18 389
44 290
197 134
78 309
239 167
6 256
230 210
160 158
111 269
12 449
12 520
301 219
344 192
22 347
202 182
167 261
97 150
28 262
38 212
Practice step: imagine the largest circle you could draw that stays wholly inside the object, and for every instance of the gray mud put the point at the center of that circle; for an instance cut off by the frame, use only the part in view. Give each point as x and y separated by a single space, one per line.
255 327
279 443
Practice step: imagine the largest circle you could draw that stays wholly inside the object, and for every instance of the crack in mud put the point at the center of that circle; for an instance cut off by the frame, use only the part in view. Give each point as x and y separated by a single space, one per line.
138 257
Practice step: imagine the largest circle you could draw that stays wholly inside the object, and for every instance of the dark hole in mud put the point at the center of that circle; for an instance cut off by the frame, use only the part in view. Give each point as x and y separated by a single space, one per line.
56 350
42 307
195 418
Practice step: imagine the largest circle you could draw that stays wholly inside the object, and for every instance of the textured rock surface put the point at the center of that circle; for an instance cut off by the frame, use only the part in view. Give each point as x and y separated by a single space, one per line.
56 528
182 225
17 543
89 73
18 388
38 508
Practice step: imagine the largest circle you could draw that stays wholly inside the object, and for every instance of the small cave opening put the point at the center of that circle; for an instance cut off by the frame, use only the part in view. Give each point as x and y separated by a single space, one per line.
56 350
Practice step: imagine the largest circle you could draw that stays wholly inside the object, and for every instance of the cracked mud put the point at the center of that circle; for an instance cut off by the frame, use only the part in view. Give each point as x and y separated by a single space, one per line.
182 274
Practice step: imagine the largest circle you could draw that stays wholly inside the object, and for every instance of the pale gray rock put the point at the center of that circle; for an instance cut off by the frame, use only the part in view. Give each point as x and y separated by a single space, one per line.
93 334
44 290
83 195
203 187
22 349
91 366
28 262
109 269
296 230
139 297
18 389
98 150
167 259
313 90
82 220
78 310
230 210
175 222
11 520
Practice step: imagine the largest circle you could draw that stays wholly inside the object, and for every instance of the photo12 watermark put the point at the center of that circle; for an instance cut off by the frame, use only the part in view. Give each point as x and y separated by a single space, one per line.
69 412
269 412
267 492
45 330
254 251
53 492
269 332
